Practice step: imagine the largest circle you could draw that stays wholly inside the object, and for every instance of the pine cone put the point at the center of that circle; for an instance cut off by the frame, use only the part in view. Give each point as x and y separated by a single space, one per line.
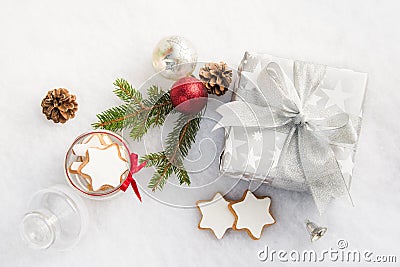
59 105
216 77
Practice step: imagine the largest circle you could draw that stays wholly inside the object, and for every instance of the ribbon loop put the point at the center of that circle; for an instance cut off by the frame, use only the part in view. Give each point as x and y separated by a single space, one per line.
134 168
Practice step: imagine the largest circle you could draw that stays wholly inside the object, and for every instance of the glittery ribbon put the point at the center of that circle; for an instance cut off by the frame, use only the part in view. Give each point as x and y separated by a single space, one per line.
307 151
130 180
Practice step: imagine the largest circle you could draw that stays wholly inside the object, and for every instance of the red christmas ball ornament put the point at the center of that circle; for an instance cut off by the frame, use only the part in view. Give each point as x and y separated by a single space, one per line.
188 95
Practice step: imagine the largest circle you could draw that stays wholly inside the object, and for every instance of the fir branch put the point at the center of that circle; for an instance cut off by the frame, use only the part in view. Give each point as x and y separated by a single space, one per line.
160 177
153 159
158 106
183 134
138 114
117 118
126 92
111 119
139 128
178 143
163 169
182 175
162 105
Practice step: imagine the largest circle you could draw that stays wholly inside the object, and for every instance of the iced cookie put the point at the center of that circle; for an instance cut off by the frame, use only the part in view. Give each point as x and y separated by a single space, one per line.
104 168
252 214
216 215
106 139
94 140
124 153
74 167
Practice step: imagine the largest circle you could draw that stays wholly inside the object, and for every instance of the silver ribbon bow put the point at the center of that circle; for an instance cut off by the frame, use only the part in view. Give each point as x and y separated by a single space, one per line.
311 130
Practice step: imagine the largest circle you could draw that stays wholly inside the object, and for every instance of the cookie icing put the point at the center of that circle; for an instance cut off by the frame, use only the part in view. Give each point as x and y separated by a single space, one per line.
252 214
104 166
216 215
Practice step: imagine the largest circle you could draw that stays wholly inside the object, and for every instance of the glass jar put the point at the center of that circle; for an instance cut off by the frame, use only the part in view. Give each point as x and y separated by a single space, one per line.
56 218
79 182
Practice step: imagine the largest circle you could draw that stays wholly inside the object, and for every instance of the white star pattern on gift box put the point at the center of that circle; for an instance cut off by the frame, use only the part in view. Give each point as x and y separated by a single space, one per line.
252 214
216 215
250 63
313 99
279 143
336 96
251 159
257 136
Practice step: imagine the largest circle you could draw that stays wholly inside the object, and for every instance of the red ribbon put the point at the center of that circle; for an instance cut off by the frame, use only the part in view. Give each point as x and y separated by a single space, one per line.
129 180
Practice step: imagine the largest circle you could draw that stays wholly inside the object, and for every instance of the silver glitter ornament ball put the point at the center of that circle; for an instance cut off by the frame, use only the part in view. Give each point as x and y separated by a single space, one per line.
175 56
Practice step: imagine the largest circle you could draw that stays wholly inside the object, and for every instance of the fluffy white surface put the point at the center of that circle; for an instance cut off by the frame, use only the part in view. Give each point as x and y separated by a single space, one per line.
85 45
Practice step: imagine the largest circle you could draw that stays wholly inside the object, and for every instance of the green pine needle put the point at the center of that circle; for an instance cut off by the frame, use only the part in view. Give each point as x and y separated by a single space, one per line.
112 119
178 143
164 169
126 92
183 134
137 114
182 175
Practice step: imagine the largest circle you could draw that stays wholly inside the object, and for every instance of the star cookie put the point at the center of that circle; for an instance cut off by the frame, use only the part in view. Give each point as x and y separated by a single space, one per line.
97 139
216 215
104 168
252 214
74 167
94 140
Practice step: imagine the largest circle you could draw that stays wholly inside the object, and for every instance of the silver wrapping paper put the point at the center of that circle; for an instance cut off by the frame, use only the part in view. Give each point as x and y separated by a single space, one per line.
253 153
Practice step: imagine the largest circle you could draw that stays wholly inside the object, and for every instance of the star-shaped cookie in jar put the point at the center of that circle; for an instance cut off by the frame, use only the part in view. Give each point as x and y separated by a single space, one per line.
104 167
99 162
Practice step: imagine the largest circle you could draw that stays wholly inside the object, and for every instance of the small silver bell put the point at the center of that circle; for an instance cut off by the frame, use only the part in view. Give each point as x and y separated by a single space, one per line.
315 231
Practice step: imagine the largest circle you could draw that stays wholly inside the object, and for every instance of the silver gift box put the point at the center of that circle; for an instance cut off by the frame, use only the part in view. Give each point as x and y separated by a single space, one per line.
253 153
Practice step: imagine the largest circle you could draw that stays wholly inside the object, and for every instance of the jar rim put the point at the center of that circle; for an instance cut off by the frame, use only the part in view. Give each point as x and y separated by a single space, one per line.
109 192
